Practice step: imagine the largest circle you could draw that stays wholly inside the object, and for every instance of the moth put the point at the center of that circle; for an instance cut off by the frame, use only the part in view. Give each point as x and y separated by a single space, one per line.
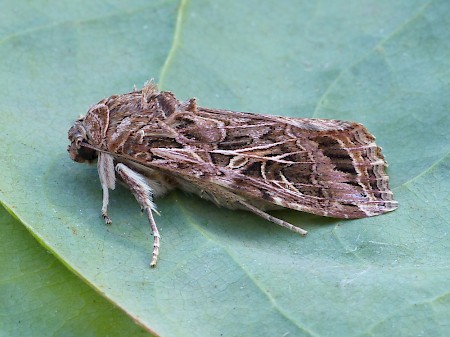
154 143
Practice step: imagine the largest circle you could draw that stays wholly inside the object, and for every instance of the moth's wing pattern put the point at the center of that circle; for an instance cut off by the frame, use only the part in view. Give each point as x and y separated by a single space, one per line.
325 167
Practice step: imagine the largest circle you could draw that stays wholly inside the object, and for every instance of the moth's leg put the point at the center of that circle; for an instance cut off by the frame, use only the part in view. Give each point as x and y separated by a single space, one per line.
271 218
143 194
105 166
105 204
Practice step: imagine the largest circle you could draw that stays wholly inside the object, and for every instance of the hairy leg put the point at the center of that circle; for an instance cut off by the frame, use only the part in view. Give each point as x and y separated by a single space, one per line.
105 166
143 194
271 218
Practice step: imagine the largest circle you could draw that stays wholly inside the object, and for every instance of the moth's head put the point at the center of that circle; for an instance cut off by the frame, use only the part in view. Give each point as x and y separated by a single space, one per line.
79 140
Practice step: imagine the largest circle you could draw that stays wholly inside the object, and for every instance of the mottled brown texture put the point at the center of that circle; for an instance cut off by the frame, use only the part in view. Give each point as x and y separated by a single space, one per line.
239 160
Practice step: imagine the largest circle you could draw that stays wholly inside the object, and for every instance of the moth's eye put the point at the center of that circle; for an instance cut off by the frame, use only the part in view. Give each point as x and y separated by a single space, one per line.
87 153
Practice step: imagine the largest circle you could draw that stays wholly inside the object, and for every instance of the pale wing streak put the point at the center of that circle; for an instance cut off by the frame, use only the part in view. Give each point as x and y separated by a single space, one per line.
251 126
261 147
289 154
260 158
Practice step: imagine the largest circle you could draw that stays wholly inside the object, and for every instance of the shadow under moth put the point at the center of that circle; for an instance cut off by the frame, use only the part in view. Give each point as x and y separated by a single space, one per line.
153 143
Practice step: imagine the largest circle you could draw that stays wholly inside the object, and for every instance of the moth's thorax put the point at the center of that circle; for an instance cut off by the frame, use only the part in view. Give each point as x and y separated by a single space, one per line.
140 121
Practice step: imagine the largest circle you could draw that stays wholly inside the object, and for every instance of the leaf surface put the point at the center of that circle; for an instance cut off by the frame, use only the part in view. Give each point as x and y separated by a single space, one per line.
40 297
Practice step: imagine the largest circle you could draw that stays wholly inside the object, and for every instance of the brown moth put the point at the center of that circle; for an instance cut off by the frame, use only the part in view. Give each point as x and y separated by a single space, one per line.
154 143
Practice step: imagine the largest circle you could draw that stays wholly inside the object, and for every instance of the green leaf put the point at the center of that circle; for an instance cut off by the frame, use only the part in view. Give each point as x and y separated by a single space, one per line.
39 297
382 63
